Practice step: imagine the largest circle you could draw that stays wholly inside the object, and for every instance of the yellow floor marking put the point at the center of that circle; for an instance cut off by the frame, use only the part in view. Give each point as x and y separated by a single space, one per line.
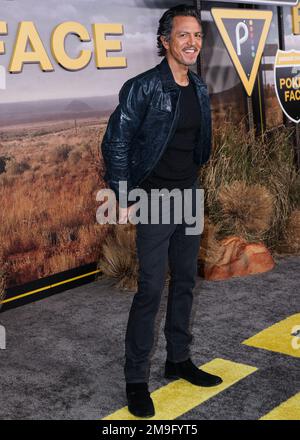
279 337
180 396
288 410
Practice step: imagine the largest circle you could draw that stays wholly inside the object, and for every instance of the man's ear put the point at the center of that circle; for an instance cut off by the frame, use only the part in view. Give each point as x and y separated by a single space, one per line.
164 42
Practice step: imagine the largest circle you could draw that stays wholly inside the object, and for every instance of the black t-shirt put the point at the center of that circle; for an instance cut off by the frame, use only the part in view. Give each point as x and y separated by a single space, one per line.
177 168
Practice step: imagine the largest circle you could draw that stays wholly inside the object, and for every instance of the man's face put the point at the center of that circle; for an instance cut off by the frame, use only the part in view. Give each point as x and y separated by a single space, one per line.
185 41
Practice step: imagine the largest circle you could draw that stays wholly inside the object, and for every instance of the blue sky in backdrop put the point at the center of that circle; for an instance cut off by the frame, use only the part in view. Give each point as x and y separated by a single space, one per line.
138 46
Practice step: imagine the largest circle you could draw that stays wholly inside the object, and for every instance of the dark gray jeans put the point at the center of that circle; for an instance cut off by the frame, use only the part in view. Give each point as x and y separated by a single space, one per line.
157 246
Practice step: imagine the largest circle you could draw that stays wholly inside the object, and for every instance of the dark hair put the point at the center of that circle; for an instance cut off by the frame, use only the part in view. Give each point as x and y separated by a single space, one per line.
166 23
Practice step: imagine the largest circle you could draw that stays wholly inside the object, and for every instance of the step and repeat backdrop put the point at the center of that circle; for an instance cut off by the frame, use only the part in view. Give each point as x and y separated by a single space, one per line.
62 65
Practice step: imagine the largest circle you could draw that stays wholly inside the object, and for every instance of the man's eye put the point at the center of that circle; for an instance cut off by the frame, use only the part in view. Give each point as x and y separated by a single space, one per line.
182 35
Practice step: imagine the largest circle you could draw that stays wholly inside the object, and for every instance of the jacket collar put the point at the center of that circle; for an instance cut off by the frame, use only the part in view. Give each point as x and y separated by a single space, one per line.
168 80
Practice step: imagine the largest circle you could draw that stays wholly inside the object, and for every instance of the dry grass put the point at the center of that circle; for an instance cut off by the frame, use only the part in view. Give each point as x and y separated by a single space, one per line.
292 233
14 168
48 201
210 249
267 161
65 259
247 210
119 259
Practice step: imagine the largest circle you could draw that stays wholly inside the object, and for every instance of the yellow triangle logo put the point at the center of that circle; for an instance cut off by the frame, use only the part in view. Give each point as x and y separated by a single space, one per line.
244 32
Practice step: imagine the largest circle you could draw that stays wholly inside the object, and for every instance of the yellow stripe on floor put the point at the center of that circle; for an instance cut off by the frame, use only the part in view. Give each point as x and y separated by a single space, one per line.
288 410
180 396
279 337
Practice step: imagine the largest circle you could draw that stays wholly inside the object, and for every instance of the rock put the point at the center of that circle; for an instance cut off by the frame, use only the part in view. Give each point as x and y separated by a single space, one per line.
239 258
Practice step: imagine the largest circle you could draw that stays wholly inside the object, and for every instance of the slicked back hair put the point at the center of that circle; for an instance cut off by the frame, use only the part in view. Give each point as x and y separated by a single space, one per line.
166 23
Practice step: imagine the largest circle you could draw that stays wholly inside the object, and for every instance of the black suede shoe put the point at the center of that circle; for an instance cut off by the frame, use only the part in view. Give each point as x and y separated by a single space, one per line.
140 403
188 371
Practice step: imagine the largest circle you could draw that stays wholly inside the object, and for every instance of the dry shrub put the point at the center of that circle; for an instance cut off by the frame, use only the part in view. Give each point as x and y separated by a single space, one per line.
292 233
247 210
60 153
119 259
210 249
14 168
75 156
266 160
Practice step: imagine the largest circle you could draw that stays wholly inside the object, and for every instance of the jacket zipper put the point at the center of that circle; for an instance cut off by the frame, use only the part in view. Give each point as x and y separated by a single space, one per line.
166 143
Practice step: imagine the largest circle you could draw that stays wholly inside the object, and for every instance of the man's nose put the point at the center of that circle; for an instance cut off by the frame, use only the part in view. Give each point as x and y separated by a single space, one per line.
192 40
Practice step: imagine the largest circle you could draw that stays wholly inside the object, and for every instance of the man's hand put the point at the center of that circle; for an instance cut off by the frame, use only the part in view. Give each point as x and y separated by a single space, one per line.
124 214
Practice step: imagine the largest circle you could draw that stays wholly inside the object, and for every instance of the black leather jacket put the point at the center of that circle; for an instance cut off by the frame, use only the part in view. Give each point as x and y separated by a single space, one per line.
145 120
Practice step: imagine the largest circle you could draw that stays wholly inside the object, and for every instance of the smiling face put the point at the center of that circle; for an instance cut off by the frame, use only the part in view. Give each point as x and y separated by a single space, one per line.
185 41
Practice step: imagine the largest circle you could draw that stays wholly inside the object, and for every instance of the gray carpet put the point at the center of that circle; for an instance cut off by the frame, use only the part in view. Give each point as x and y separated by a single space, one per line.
65 354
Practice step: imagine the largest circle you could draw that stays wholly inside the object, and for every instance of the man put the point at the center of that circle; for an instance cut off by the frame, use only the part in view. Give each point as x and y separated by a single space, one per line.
157 138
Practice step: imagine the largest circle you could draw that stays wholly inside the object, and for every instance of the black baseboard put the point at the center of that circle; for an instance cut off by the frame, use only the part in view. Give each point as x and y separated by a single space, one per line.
42 288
